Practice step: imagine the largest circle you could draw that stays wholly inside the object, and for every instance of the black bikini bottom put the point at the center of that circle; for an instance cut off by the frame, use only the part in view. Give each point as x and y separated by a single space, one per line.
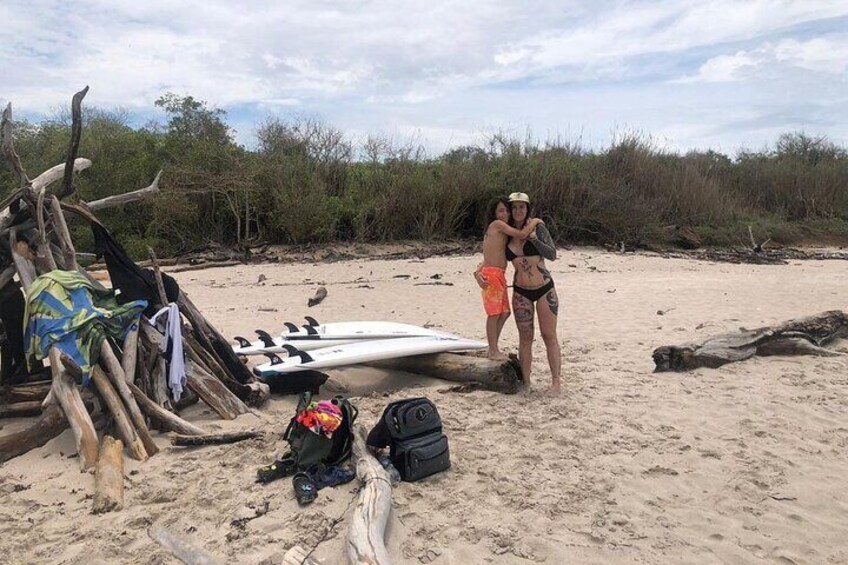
533 294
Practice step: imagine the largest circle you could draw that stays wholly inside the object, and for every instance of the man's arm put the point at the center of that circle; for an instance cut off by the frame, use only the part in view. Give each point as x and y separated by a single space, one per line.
544 242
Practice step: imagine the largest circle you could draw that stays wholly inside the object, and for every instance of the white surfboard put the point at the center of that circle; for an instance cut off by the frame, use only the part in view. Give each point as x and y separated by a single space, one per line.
308 338
366 352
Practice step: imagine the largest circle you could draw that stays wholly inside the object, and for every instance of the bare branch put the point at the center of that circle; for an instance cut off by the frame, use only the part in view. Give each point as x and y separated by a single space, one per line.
73 148
8 145
121 199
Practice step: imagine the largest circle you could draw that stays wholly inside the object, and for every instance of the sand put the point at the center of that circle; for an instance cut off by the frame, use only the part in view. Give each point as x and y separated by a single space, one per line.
740 464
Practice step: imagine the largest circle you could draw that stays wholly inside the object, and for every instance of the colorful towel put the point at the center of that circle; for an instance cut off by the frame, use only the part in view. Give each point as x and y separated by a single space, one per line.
64 309
321 417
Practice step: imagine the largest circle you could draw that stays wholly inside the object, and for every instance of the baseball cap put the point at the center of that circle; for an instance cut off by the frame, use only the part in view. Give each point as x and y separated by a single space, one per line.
519 197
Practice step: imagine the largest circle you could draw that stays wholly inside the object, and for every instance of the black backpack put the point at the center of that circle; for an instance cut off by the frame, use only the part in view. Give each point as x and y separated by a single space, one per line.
413 430
309 448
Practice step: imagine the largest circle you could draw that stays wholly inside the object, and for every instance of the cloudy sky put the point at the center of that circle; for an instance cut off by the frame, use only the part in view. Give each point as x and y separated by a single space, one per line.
718 74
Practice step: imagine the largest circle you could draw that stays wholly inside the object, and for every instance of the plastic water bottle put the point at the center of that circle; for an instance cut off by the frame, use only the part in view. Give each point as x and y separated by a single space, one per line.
394 474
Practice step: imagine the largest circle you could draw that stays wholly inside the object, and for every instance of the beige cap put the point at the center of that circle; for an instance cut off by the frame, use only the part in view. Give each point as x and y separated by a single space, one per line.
519 197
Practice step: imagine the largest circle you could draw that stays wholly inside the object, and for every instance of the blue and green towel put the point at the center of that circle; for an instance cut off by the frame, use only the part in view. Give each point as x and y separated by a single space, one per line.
64 309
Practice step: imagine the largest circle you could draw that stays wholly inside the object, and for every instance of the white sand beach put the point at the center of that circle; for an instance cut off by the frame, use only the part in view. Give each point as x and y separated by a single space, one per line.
742 464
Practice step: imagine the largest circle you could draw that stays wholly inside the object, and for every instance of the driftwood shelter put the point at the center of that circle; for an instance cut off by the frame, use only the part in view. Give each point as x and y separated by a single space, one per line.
129 375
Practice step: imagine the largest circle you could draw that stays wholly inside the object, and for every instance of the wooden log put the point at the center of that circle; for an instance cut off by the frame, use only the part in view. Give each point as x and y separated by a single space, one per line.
212 439
51 423
44 256
126 198
119 380
22 256
109 477
27 392
64 235
181 548
213 392
125 428
20 409
253 393
129 355
365 536
478 372
69 399
801 336
168 420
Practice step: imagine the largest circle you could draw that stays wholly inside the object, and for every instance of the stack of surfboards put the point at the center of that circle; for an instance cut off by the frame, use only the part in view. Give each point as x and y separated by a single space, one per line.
321 346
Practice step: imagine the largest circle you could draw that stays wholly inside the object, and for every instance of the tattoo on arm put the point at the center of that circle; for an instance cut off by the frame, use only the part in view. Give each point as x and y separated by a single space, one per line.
545 243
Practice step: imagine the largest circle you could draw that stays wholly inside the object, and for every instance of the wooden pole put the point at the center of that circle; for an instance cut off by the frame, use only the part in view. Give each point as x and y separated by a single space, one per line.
166 419
66 393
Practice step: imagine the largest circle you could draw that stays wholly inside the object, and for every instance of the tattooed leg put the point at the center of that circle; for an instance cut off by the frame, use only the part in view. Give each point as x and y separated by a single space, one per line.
547 310
523 310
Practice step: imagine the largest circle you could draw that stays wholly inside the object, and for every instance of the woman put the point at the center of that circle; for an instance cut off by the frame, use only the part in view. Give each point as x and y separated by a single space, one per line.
491 273
533 290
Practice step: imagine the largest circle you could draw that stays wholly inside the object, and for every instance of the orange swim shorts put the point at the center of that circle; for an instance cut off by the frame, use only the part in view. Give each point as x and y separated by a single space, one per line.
495 299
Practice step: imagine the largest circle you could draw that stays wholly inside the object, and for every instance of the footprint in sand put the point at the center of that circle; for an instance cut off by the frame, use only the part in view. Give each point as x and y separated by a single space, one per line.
658 470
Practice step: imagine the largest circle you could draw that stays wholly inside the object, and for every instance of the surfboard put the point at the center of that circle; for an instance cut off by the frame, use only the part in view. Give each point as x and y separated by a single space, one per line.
363 352
317 336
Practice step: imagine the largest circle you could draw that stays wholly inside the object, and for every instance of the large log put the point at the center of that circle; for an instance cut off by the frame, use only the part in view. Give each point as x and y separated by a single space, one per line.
122 422
801 336
253 393
164 418
66 393
51 423
365 543
20 409
26 392
477 372
109 477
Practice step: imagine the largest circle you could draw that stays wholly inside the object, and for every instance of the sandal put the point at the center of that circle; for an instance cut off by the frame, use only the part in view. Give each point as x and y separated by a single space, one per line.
304 489
276 470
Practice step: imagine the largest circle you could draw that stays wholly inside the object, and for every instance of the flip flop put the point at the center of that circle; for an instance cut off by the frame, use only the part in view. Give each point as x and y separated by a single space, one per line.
304 489
276 470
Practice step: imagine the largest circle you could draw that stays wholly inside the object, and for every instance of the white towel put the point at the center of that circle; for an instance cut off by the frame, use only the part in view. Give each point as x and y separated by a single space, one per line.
174 340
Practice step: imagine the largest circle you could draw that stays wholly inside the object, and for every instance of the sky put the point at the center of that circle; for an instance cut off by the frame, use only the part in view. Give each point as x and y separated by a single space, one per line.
721 75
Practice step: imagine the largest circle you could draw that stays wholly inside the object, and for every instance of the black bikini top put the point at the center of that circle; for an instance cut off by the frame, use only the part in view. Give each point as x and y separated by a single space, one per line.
528 250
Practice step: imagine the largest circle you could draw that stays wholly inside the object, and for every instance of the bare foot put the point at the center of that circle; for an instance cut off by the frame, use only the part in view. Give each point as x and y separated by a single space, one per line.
496 356
554 389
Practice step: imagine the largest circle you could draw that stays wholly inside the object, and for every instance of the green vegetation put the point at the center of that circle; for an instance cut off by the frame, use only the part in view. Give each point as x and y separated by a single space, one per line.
307 183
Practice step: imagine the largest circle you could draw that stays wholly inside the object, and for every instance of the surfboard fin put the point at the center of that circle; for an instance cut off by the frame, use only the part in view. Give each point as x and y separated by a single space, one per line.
311 330
266 338
291 327
294 351
275 359
242 341
311 321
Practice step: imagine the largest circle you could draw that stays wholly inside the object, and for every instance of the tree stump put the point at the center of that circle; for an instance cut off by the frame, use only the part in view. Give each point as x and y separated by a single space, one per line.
801 336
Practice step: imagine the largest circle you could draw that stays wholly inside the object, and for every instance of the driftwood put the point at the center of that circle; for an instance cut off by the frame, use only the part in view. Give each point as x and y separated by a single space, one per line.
801 336
126 430
51 423
20 409
212 439
181 548
213 392
365 543
126 198
69 399
477 372
167 420
24 392
320 295
109 477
